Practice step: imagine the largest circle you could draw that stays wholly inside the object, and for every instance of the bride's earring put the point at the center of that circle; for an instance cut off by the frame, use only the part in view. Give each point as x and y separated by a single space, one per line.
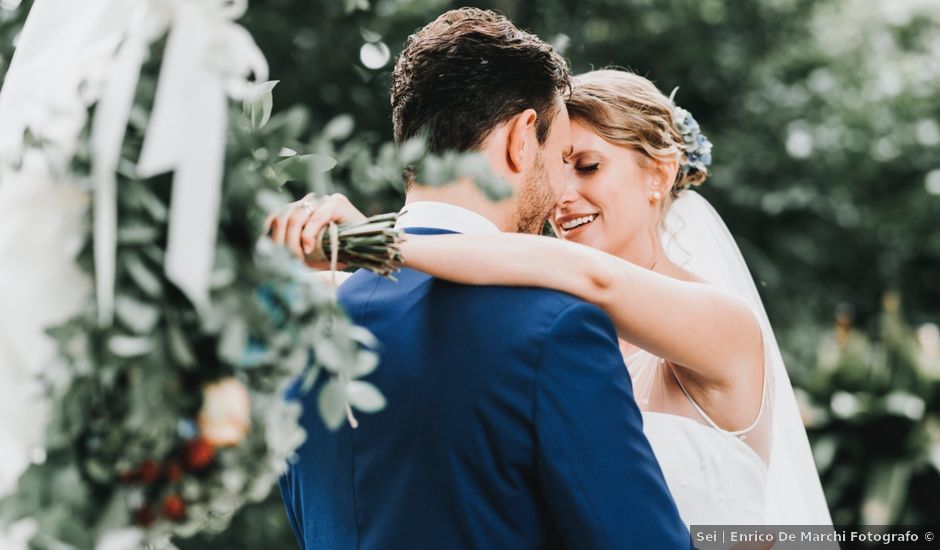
655 197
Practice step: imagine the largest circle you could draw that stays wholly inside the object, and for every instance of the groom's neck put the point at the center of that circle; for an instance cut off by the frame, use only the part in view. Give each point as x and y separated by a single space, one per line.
466 194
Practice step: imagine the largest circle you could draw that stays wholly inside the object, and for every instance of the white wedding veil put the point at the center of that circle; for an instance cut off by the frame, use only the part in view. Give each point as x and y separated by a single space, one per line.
696 238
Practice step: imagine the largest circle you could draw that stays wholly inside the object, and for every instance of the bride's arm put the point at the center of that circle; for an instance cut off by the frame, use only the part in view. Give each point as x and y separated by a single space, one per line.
697 326
702 328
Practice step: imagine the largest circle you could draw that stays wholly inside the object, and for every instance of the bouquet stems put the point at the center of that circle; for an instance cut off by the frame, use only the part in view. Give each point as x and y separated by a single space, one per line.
372 244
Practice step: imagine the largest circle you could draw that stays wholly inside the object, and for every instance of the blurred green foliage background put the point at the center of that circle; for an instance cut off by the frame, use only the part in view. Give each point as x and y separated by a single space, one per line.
824 115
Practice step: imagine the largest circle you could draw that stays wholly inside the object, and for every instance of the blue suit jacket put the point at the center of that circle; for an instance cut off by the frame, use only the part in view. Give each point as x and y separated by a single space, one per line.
510 424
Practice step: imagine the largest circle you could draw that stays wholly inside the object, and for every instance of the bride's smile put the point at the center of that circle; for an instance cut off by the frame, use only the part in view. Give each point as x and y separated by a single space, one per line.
573 224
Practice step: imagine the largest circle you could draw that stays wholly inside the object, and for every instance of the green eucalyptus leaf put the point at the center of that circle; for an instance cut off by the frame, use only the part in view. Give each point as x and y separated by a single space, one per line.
145 279
366 363
356 5
137 234
332 404
340 128
297 360
153 205
300 167
369 36
234 340
412 150
97 471
179 345
364 396
477 167
435 170
130 346
223 276
258 107
310 378
138 316
362 335
329 355
287 125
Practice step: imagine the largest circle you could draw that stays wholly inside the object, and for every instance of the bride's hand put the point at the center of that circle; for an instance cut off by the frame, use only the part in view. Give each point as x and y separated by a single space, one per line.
299 225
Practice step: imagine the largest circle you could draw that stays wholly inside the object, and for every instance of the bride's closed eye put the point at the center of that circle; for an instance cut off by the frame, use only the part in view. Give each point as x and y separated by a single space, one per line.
587 168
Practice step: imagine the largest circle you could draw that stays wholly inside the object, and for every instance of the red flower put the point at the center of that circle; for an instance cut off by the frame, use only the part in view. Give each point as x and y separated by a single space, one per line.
174 507
173 471
148 472
197 454
144 516
129 476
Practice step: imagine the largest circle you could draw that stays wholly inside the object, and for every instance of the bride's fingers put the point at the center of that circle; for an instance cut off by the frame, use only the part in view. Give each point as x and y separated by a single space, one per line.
295 224
315 224
269 223
279 226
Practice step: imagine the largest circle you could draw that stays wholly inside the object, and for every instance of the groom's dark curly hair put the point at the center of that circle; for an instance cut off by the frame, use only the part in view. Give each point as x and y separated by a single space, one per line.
468 71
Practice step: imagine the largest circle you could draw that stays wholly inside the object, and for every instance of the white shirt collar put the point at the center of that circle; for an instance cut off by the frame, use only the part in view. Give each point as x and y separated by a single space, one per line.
440 215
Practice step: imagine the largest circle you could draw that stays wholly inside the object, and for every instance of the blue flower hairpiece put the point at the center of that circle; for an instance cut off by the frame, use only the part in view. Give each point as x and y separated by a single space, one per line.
698 150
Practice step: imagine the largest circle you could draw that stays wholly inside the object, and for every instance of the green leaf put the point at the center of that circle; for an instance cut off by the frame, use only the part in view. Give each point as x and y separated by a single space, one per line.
137 234
297 360
234 340
300 167
339 128
153 205
138 316
476 166
310 378
362 335
366 363
369 36
258 107
130 346
332 404
142 275
353 5
287 125
180 349
97 471
412 150
435 170
329 355
452 166
364 396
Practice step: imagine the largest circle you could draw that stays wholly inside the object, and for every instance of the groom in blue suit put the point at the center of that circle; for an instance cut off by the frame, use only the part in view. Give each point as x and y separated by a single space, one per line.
510 421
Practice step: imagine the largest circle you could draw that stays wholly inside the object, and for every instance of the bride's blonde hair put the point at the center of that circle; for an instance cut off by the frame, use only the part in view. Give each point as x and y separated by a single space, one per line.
627 109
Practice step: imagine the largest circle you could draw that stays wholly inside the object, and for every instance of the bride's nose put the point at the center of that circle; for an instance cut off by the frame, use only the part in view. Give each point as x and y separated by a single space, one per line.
569 196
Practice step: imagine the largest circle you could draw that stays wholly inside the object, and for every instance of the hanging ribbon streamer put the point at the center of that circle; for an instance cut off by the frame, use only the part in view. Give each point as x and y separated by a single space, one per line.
208 59
107 135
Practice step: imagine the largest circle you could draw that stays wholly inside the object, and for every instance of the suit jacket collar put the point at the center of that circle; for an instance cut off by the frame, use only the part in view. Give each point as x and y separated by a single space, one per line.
447 218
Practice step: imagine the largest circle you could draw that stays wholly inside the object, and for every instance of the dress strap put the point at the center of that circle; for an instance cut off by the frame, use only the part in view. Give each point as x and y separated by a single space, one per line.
739 433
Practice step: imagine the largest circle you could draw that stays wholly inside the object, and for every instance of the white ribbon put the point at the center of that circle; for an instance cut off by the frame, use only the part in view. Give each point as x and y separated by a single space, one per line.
207 59
107 135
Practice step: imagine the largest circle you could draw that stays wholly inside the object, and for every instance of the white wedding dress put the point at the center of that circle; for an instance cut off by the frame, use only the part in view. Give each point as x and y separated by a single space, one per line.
763 475
715 477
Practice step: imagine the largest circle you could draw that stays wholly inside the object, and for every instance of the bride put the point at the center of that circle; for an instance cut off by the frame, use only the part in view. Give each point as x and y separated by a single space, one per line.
707 374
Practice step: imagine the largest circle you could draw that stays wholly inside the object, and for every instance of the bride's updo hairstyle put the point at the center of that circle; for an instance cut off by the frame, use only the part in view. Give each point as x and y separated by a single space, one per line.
628 110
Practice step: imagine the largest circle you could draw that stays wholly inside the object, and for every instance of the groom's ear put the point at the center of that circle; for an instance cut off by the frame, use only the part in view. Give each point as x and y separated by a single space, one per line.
521 140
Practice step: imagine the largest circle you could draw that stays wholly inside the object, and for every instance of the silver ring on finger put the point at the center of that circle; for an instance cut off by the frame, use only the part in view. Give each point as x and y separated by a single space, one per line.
307 207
